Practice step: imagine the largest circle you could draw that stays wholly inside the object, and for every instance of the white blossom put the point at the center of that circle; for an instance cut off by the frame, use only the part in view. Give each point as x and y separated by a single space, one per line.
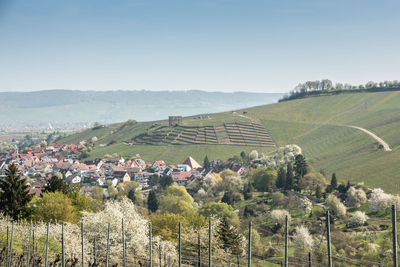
334 204
302 239
358 219
279 216
356 197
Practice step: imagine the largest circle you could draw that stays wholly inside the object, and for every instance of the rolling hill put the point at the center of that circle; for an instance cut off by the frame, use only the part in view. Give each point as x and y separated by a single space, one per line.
322 126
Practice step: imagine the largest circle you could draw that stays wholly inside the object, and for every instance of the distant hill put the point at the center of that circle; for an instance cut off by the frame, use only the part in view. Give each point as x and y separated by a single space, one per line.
63 108
320 125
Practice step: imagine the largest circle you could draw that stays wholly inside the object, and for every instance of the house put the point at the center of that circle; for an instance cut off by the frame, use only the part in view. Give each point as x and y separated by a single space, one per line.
192 163
159 166
142 177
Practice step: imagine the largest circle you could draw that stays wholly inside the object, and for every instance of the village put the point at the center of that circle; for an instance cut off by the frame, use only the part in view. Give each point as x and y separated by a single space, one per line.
63 160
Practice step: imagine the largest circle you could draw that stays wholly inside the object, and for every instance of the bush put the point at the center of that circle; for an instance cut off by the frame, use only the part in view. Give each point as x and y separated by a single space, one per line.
302 239
355 197
277 198
335 206
379 200
357 219
279 216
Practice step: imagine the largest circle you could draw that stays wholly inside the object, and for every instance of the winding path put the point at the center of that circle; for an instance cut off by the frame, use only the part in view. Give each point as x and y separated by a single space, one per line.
377 138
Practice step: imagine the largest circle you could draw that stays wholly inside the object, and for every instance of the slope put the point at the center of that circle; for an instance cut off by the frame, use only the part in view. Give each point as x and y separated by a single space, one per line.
318 124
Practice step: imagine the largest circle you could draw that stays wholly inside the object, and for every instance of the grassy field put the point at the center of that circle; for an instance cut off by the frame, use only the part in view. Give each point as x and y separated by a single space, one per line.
318 124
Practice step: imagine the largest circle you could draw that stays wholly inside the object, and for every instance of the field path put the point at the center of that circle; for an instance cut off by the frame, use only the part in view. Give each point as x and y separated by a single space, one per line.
377 138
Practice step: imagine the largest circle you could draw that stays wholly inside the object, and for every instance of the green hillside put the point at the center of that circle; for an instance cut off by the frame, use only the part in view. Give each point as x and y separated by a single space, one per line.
318 124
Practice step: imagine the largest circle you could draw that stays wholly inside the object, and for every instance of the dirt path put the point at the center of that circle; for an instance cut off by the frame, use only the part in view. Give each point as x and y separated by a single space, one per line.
377 138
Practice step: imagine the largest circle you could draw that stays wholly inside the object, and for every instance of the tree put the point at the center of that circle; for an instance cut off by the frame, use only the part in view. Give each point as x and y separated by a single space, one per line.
152 201
302 239
355 197
300 169
279 216
166 180
318 192
248 191
358 219
14 194
228 198
334 183
55 207
281 180
289 177
56 183
131 195
98 193
153 180
335 206
220 210
206 164
253 155
243 155
263 178
230 237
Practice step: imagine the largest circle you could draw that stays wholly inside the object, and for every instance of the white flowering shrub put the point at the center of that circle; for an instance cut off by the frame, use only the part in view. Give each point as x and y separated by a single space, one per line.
94 139
253 155
334 205
136 229
281 157
355 197
357 219
279 216
302 239
379 200
306 205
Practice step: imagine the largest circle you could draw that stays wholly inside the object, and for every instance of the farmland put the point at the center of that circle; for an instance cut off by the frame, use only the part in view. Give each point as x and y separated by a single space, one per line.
318 124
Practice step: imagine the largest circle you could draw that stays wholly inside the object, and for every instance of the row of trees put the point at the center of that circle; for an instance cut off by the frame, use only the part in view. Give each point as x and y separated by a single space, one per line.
327 86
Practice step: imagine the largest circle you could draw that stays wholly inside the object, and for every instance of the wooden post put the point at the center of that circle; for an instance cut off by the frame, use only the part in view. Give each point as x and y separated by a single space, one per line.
309 259
394 233
29 245
123 244
238 260
94 251
179 247
62 246
286 241
159 253
82 248
249 246
150 246
328 239
11 245
108 245
47 246
7 248
198 251
209 243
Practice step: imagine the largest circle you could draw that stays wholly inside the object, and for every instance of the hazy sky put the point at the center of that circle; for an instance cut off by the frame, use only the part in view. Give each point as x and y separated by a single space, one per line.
219 45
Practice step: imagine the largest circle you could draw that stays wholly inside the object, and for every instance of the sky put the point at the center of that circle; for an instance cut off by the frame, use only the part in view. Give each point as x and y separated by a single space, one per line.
212 45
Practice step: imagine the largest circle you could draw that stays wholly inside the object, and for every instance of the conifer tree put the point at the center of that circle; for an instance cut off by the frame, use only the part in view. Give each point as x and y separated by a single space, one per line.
206 164
152 201
300 169
334 181
281 180
348 185
289 177
55 183
318 192
248 191
230 236
14 193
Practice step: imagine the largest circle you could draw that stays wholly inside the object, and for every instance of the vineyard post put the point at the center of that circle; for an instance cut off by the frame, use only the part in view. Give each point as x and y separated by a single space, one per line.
238 260
159 253
123 243
33 243
198 251
11 245
151 246
165 259
134 257
328 239
7 245
94 250
209 243
47 245
180 247
249 248
29 245
62 245
286 241
309 259
108 245
394 233
82 248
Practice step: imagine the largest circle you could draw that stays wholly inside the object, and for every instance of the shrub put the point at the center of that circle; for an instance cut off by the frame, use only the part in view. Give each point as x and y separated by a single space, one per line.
277 198
279 216
355 197
334 205
379 200
358 219
302 239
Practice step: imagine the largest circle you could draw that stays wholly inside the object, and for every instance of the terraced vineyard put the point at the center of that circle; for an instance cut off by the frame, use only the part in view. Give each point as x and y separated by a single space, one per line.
236 133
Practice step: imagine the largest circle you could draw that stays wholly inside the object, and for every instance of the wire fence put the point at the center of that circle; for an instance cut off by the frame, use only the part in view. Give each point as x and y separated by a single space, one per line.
27 245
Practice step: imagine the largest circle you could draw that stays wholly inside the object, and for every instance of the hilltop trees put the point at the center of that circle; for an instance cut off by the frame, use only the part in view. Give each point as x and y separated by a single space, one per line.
14 195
